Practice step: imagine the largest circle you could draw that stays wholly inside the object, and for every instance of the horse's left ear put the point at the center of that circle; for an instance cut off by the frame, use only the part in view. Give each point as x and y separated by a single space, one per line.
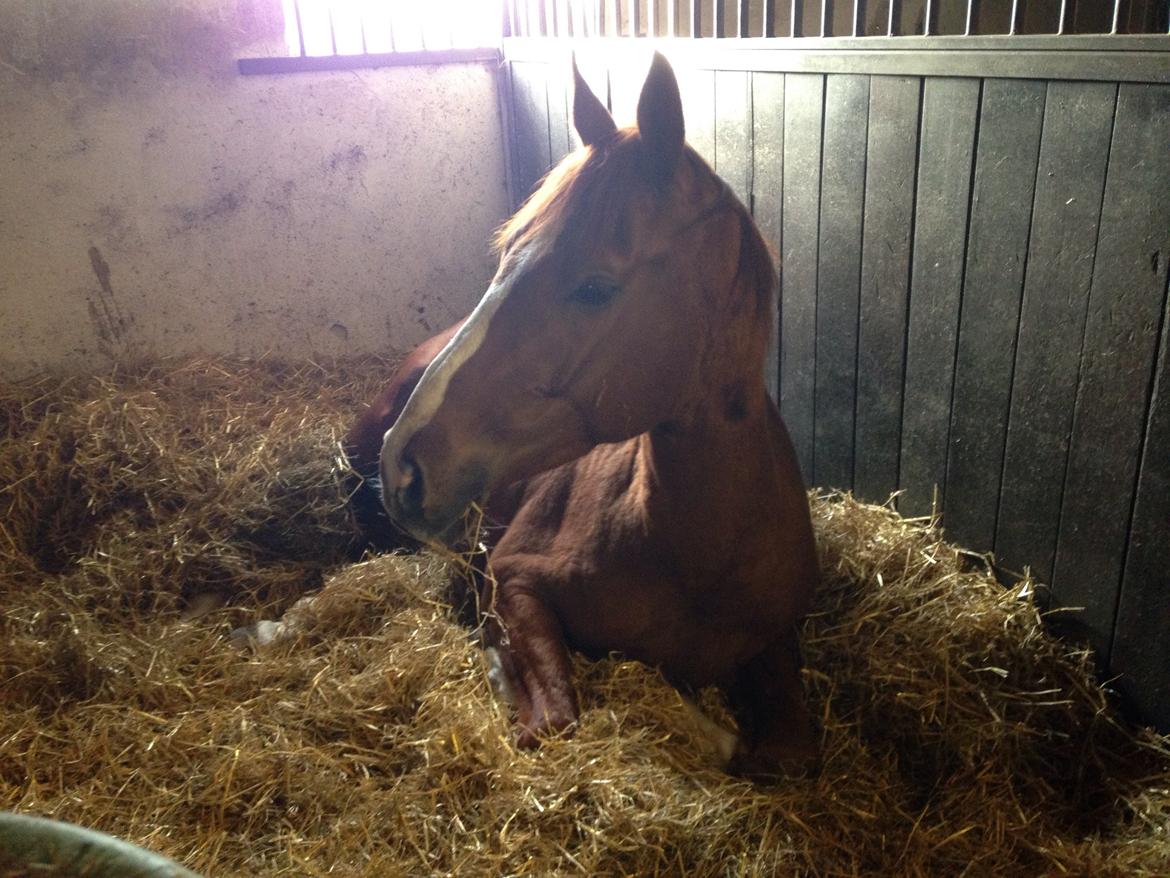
660 120
592 120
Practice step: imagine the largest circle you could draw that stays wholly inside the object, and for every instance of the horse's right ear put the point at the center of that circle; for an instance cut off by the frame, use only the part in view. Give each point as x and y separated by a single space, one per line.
660 119
592 120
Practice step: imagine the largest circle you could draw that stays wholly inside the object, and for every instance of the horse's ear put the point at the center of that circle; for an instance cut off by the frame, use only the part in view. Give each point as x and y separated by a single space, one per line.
660 119
592 120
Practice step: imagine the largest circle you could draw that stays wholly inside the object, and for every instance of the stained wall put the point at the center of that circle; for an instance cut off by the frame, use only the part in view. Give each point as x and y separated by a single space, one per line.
152 200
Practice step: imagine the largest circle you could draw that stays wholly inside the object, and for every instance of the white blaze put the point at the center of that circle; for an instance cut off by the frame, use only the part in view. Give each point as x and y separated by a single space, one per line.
431 390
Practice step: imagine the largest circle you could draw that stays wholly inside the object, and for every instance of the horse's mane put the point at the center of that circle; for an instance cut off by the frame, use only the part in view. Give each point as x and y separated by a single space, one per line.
758 260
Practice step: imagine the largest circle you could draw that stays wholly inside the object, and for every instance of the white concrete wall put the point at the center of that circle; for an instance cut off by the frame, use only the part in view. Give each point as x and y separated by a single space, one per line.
154 201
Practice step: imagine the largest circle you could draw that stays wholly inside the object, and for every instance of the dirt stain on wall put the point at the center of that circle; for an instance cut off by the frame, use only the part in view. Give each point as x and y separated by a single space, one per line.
109 322
216 208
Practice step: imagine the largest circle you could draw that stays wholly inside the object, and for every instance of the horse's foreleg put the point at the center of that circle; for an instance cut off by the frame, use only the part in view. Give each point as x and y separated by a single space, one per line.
777 733
535 659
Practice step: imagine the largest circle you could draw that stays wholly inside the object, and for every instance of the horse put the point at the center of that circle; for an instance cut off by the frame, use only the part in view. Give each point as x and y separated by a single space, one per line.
605 402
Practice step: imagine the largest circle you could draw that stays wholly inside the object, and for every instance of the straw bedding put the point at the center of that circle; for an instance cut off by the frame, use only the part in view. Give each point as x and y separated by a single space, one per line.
959 737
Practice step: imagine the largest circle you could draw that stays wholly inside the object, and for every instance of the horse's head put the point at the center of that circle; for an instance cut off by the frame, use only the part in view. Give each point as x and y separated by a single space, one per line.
628 283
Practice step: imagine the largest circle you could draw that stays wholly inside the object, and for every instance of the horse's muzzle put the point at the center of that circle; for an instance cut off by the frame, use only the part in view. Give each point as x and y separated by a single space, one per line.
410 491
427 509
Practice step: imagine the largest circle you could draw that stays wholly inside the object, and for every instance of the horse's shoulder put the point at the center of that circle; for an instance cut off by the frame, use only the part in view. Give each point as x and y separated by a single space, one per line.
579 509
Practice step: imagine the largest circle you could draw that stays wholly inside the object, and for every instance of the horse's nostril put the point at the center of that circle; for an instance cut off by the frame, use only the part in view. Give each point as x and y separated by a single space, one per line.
411 490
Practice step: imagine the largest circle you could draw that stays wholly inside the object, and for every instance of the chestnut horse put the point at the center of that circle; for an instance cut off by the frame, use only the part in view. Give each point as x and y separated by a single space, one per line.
611 379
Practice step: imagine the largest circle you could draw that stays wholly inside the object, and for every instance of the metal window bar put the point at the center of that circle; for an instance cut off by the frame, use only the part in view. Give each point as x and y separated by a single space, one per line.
300 28
841 18
320 32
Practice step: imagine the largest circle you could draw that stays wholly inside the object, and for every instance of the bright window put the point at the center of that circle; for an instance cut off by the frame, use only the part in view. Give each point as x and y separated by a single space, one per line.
357 27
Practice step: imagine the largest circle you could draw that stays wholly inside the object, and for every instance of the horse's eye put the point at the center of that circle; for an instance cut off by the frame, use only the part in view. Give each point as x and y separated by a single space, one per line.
596 292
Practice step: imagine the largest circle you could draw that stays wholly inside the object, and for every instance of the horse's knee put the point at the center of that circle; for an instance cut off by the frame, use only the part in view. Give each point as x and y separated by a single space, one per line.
548 707
544 708
534 660
548 720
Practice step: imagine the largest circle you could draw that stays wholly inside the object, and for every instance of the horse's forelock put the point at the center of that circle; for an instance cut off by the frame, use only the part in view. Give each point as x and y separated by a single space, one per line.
587 183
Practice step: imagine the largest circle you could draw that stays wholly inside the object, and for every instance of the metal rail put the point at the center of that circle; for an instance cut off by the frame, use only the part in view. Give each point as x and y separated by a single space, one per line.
1120 58
820 19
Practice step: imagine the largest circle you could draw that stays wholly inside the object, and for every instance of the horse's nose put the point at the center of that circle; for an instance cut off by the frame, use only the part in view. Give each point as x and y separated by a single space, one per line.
410 490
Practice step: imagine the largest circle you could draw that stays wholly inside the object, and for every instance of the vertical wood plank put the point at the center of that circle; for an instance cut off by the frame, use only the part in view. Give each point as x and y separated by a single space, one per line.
733 131
698 99
1125 307
946 149
1141 650
1078 122
803 116
530 120
768 190
839 277
1010 120
560 101
891 156
626 75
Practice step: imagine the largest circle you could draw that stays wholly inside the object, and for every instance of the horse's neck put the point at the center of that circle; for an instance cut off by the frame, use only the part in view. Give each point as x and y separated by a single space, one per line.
704 477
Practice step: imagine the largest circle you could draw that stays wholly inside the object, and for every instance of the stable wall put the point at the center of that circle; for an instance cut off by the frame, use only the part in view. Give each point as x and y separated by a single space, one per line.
154 201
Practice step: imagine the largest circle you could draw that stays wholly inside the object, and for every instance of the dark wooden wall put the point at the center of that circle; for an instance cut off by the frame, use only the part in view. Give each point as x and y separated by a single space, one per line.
973 306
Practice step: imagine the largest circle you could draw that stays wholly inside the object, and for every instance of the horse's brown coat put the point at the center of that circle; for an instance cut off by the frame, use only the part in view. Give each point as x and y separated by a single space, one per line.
655 507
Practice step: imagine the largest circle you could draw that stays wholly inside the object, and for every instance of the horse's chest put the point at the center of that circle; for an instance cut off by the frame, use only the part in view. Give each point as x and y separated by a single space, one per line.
620 579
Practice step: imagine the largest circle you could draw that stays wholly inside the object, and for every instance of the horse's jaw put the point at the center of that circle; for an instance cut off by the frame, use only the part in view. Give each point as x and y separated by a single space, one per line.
451 536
